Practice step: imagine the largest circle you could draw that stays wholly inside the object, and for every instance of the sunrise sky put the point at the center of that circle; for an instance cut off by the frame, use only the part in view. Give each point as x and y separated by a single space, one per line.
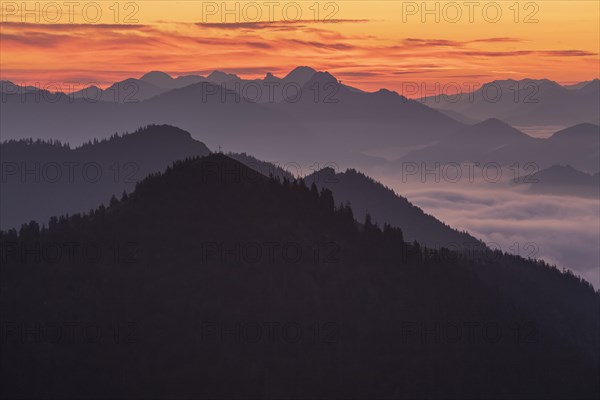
367 44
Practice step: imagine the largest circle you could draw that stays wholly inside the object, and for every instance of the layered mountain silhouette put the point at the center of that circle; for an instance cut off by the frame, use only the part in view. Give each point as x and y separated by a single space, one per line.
476 141
577 146
312 113
565 180
309 111
367 196
166 81
134 90
124 160
527 102
41 179
128 91
580 85
494 141
211 253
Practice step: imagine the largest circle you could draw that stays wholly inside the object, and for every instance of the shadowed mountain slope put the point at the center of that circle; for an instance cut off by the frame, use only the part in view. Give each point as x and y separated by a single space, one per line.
367 196
211 252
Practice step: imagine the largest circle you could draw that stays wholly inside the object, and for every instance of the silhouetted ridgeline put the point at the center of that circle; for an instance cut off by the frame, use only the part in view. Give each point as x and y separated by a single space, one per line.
365 195
40 179
213 281
263 167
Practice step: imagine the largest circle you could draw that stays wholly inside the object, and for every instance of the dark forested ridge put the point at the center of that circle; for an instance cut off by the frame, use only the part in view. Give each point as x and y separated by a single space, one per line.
40 179
367 196
213 281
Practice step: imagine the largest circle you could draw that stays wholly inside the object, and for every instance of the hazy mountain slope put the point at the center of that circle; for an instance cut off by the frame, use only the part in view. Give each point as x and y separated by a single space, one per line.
579 85
527 102
577 146
324 121
494 141
354 121
565 180
130 90
473 143
458 116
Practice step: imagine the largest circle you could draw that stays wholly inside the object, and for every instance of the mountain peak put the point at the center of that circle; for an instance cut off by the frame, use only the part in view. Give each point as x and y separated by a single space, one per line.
387 92
583 130
164 130
323 78
496 129
593 85
221 77
156 74
302 70
493 123
269 77
300 75
561 168
7 85
496 124
158 78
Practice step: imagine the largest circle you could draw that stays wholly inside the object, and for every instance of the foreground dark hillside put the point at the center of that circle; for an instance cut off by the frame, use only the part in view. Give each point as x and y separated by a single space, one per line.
212 281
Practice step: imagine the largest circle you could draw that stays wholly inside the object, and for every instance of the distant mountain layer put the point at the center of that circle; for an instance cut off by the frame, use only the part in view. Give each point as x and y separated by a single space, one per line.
305 117
213 281
41 179
526 102
564 180
493 141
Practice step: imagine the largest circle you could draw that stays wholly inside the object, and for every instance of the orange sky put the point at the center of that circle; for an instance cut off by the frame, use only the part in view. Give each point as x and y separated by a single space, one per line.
368 44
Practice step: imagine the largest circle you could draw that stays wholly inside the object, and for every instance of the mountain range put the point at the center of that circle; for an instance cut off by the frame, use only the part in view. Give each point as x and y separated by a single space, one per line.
307 112
316 115
526 102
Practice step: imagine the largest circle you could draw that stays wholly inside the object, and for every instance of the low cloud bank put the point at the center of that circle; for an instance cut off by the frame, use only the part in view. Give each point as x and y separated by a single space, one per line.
561 230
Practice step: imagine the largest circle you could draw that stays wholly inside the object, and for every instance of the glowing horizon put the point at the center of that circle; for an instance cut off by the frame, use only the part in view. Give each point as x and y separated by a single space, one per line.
368 45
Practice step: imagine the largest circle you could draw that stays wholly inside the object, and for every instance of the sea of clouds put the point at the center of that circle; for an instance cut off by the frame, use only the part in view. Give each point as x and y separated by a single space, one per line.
562 230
